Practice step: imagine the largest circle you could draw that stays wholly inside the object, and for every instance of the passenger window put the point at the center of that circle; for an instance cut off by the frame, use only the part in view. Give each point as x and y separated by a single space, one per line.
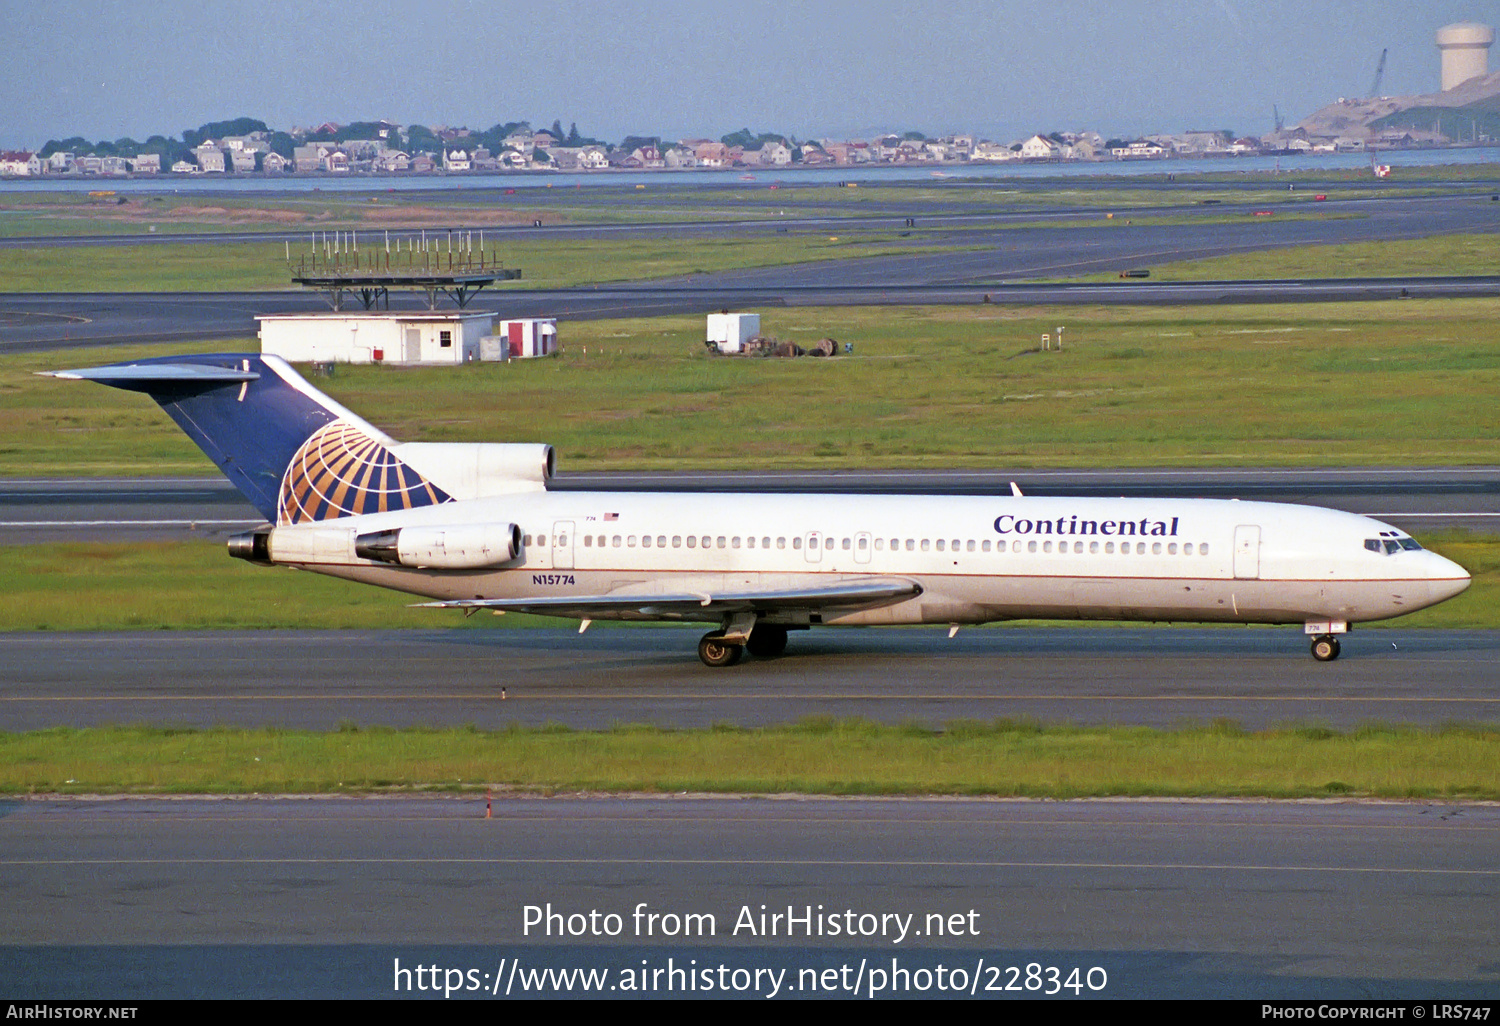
1171 548
1109 548
630 542
781 543
797 542
955 544
926 544
846 545
986 545
1093 547
971 545
617 541
750 542
1202 550
939 545
1046 546
1187 550
692 542
588 541
879 544
1156 548
734 542
661 541
911 544
645 541
1140 548
541 539
526 540
765 543
864 543
676 541
1030 546
708 542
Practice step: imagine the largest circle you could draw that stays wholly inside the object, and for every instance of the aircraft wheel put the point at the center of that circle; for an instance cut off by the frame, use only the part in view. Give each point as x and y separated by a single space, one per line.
766 641
1325 649
715 651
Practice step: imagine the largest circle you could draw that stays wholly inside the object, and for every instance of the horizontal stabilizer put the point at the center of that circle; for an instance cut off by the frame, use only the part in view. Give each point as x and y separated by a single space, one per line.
123 374
860 593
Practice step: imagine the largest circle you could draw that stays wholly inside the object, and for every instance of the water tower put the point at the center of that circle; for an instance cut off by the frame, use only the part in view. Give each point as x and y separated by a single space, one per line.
1465 47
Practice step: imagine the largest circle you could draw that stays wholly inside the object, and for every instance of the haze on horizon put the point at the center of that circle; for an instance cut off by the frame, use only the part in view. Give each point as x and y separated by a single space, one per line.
1000 69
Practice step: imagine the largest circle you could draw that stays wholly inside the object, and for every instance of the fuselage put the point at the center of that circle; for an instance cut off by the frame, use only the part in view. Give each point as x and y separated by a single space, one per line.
975 558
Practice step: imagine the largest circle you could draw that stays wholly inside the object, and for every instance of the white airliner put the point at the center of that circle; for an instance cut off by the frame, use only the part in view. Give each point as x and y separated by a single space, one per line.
474 526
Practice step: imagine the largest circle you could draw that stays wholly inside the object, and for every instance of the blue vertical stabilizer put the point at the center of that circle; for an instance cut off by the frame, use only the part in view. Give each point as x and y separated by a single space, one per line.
295 453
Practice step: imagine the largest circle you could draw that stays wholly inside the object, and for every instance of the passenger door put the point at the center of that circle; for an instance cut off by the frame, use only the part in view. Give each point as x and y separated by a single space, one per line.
562 545
1247 552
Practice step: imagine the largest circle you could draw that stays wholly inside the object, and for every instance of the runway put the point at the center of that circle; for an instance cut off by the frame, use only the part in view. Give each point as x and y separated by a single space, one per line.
1415 499
136 899
495 677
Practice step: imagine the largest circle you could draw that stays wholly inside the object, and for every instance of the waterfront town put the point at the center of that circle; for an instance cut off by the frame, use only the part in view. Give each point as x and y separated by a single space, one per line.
384 148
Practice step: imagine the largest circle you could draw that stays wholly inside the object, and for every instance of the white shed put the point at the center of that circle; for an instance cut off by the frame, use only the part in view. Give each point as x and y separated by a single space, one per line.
530 336
431 336
728 332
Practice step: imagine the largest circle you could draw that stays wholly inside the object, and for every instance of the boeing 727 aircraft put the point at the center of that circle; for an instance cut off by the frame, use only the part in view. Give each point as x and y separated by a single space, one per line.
474 526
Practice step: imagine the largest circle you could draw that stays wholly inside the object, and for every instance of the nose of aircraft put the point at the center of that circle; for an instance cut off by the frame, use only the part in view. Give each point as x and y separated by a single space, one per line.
1445 578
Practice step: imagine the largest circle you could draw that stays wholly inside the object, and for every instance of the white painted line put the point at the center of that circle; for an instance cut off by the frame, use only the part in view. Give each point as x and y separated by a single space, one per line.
1413 515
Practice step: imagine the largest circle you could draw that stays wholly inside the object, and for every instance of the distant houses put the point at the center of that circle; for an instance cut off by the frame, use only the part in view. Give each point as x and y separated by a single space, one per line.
385 148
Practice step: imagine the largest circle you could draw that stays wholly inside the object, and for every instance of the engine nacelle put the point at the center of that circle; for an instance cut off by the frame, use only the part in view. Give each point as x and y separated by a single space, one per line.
478 470
457 547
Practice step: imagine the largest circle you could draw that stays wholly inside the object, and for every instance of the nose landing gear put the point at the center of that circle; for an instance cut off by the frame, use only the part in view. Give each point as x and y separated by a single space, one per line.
1325 648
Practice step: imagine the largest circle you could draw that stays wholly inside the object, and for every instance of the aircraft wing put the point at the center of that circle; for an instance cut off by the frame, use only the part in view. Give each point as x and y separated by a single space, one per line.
852 594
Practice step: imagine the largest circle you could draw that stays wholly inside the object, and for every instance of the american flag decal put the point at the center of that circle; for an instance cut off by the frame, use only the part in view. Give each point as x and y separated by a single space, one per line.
611 516
342 472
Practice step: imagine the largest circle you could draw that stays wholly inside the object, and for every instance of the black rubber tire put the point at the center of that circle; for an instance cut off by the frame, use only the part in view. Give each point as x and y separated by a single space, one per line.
1325 649
716 652
766 641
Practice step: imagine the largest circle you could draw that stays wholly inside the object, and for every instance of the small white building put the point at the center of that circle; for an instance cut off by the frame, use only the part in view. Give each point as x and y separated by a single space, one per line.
426 337
523 338
728 332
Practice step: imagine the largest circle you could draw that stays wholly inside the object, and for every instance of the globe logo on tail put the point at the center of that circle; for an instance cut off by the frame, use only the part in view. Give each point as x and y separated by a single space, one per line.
342 472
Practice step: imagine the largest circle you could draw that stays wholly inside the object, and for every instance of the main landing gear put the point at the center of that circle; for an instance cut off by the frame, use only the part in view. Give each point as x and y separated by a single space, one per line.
1325 648
715 650
725 646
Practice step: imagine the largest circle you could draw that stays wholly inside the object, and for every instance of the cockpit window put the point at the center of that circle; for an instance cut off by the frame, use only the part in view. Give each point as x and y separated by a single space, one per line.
1373 544
1392 547
1410 545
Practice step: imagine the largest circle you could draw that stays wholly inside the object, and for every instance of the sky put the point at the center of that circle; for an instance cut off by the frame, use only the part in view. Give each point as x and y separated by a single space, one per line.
1001 69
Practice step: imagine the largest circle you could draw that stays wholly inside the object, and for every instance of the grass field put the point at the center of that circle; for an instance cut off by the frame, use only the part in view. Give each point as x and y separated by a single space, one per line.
1443 255
815 757
496 202
1294 385
241 266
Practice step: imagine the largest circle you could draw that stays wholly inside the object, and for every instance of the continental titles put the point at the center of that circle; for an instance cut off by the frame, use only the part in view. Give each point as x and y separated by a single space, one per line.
1145 527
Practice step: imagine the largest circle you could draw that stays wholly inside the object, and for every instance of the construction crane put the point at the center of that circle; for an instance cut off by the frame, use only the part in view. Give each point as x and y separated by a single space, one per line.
1379 75
1276 116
